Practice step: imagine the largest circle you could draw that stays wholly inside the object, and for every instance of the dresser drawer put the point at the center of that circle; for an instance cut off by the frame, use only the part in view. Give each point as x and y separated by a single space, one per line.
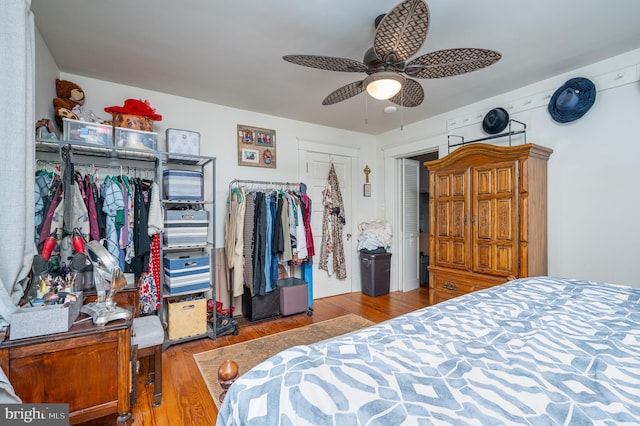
448 284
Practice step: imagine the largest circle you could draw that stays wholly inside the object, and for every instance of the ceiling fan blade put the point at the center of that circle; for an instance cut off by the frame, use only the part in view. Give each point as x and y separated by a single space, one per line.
450 62
342 94
326 63
402 31
411 94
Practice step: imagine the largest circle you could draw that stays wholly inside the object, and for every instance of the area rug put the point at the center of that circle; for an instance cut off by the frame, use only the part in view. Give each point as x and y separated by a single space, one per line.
252 352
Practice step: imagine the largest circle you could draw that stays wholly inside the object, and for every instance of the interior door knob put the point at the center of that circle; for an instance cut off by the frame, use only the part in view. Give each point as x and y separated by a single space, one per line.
348 236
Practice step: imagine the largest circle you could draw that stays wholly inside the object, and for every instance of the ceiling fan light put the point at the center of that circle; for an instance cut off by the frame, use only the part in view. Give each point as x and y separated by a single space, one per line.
383 85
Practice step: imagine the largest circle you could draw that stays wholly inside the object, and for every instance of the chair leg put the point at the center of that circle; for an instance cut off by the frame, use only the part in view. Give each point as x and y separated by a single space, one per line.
157 384
152 369
134 373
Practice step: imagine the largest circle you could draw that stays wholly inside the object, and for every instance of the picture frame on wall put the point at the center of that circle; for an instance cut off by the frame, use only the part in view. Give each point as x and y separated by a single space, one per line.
256 146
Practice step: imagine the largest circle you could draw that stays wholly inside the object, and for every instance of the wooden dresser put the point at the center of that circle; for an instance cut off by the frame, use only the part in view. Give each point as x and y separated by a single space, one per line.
87 367
488 217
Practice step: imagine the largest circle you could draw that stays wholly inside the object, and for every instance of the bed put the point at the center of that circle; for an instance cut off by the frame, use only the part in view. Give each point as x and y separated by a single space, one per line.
539 351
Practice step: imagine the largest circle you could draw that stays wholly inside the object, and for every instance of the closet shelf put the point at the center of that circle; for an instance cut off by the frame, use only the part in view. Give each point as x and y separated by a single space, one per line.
185 159
186 247
189 202
110 151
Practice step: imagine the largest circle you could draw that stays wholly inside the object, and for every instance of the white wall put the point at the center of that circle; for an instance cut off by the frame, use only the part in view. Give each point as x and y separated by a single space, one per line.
593 200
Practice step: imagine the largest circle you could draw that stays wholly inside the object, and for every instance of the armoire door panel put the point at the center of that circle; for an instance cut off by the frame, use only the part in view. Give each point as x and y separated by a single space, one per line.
504 220
484 182
459 253
504 259
443 186
443 219
459 180
504 179
483 257
484 220
443 252
458 219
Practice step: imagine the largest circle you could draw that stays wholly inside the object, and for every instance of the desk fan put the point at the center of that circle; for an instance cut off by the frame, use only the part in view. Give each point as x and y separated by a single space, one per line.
108 279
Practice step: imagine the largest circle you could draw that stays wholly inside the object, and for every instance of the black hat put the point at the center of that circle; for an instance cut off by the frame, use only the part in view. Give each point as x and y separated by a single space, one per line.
495 121
572 100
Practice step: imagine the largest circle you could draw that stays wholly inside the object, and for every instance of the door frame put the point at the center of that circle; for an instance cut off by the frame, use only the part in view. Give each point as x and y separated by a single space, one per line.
393 160
306 145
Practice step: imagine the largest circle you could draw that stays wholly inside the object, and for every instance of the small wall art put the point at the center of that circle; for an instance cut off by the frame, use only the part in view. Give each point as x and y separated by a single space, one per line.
256 147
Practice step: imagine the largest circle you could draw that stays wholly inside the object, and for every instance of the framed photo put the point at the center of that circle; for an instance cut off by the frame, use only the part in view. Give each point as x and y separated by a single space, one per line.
250 156
256 146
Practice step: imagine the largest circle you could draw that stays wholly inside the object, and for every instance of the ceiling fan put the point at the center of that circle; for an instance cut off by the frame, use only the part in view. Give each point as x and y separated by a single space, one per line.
399 35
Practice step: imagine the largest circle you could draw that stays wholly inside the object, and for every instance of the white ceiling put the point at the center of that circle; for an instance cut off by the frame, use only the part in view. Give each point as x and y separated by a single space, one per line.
230 52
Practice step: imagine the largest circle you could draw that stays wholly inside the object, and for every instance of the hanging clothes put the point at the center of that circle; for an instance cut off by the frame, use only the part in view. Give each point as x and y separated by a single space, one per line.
90 200
259 237
306 204
44 191
332 248
140 235
234 238
247 251
113 206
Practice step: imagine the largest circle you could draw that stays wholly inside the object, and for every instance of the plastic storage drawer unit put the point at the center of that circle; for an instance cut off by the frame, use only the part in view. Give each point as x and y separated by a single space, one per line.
375 271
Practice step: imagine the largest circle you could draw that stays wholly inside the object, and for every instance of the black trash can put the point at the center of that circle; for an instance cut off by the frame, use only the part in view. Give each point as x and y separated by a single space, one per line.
375 272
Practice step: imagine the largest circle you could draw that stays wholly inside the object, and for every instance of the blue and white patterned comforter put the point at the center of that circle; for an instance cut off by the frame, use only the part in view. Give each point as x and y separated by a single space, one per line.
539 351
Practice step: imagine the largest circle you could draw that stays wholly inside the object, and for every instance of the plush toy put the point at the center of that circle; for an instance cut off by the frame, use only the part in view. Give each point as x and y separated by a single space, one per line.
68 90
69 95
63 108
44 129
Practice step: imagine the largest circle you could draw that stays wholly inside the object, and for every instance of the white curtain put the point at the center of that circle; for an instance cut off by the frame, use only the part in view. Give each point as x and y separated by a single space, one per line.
17 151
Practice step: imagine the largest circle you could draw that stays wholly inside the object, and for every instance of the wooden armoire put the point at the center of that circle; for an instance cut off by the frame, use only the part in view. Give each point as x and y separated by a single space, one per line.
488 217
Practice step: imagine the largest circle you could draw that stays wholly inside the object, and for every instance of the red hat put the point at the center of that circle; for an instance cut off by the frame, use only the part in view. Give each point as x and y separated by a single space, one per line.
136 107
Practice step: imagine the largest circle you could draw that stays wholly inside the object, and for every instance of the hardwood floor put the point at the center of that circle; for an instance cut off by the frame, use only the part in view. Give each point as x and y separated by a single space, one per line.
186 399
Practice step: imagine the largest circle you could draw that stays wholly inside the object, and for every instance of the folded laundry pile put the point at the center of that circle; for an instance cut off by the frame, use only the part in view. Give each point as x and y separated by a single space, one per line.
374 236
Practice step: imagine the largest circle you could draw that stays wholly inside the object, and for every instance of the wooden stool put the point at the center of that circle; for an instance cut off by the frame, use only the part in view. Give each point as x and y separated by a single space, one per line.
147 337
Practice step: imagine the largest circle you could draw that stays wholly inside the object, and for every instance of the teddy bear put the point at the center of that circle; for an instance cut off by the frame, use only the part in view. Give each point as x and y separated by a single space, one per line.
63 108
69 95
68 90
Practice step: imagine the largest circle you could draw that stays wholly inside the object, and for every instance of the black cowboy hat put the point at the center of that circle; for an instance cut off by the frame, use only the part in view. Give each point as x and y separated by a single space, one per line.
495 121
572 100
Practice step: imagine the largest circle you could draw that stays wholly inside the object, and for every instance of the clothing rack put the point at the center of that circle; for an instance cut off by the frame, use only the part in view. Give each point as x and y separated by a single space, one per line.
263 184
123 170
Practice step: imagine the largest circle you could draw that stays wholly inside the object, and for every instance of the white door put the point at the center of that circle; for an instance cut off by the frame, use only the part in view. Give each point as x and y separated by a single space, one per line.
314 170
410 224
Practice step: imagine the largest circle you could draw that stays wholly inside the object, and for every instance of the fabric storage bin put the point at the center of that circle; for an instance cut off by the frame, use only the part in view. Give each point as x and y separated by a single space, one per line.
182 142
260 307
185 227
43 320
294 295
87 132
186 272
129 138
186 318
182 185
